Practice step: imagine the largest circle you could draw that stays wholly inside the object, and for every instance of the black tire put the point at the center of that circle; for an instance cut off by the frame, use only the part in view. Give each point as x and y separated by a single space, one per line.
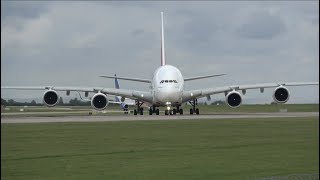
157 112
141 112
191 111
166 112
197 111
181 111
135 112
150 111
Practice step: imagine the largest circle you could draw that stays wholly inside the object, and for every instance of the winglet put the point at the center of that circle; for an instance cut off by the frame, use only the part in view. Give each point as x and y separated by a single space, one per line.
163 59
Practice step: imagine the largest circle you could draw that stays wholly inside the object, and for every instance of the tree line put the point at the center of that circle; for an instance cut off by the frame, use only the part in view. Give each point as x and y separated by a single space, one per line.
72 102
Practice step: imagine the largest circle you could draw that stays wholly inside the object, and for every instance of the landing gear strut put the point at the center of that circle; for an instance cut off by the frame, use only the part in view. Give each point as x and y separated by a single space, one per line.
194 109
180 111
139 108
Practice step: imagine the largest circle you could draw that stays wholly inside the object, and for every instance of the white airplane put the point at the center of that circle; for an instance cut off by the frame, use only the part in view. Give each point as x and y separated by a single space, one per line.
167 89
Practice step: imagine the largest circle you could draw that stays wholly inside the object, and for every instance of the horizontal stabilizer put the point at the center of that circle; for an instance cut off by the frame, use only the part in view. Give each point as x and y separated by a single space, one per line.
202 77
128 79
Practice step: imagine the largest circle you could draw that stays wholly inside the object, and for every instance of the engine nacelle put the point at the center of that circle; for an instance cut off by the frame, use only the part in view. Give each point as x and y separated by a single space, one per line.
124 106
281 94
234 99
50 98
99 101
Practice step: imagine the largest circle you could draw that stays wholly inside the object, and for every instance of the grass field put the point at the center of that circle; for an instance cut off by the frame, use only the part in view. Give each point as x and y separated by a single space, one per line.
188 149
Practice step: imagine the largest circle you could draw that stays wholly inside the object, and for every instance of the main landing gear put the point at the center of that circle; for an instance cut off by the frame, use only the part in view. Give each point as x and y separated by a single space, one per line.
173 111
194 109
153 109
139 108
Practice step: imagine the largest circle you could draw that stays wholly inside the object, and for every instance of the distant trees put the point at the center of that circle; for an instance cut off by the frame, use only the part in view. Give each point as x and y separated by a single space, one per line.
60 101
3 102
76 102
12 102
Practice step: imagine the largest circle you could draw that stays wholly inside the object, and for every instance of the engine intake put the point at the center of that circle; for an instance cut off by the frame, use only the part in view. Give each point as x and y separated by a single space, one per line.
50 98
99 101
234 99
281 95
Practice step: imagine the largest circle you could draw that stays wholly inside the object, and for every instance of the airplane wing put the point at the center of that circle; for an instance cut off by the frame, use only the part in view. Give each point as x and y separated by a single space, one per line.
193 94
127 78
202 77
132 94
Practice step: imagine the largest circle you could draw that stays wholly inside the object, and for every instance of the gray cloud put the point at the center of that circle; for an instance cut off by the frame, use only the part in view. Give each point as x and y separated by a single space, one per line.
262 25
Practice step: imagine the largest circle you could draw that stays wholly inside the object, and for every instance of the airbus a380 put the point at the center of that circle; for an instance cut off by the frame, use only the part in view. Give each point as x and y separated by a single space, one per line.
167 89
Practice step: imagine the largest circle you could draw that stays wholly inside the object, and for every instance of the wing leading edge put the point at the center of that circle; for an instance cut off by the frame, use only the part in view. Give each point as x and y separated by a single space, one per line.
193 94
132 94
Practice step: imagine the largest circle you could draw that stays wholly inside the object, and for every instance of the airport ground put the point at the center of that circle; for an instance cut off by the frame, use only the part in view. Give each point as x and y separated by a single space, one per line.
230 148
115 110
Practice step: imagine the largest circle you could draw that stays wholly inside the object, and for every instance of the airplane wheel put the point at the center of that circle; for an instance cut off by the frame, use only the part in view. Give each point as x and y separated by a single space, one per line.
191 111
166 112
135 112
141 112
157 112
197 111
174 111
181 111
150 111
170 112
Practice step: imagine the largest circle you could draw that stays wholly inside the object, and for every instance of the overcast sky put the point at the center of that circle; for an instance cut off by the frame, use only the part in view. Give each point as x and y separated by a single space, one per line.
67 43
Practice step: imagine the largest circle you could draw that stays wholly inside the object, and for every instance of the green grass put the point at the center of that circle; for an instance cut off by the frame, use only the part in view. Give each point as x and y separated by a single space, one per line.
182 149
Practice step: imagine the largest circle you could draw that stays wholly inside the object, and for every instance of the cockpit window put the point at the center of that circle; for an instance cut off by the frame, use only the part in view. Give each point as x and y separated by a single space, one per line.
166 81
170 81
175 81
161 81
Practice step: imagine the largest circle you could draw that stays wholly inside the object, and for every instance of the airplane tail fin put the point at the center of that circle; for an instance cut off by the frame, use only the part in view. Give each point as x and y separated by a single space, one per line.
163 59
116 84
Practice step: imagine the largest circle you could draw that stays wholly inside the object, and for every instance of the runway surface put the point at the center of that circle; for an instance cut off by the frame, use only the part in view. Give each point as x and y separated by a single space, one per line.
130 117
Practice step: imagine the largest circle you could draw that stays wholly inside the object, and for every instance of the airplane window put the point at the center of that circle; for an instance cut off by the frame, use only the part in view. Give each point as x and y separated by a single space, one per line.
166 81
170 81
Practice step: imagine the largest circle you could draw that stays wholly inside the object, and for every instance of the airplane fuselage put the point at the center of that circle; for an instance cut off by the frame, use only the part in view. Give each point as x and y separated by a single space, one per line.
167 86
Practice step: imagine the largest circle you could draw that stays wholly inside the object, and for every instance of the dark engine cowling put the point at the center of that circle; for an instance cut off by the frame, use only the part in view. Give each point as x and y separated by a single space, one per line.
281 95
50 98
99 101
234 99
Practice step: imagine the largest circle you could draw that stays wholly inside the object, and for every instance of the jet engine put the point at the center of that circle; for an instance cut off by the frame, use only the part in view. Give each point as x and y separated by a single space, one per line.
99 101
50 98
281 94
234 99
124 106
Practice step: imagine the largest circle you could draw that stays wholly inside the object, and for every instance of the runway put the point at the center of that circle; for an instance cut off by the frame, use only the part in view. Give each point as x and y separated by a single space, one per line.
8 119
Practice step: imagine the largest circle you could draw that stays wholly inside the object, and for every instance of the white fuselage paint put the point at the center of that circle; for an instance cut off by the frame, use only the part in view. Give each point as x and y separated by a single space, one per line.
167 86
